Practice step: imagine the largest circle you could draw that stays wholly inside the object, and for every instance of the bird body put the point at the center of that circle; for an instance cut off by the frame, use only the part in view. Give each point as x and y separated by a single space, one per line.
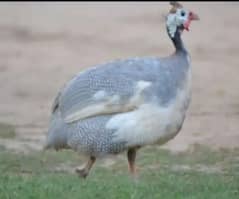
128 99
123 105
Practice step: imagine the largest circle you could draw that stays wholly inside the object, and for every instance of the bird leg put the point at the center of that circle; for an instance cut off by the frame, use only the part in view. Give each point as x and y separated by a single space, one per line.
85 171
131 160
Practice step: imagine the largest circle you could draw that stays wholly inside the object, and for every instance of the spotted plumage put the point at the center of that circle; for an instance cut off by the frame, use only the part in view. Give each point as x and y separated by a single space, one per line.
124 104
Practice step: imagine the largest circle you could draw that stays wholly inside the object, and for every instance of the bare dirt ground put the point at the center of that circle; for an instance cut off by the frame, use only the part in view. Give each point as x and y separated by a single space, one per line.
43 45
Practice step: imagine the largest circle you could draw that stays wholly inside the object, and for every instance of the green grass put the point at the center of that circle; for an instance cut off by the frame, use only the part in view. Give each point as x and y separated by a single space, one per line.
7 130
162 175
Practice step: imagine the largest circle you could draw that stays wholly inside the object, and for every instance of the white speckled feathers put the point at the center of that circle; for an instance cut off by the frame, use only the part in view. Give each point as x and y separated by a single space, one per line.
120 86
125 104
122 104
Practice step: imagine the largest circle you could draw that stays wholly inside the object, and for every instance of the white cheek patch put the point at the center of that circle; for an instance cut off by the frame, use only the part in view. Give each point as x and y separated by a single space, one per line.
171 24
174 20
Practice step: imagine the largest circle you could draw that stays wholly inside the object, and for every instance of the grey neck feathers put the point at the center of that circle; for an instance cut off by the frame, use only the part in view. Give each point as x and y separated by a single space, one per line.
177 42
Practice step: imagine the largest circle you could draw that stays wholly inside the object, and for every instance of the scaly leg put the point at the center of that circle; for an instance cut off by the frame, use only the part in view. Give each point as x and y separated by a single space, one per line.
131 161
85 171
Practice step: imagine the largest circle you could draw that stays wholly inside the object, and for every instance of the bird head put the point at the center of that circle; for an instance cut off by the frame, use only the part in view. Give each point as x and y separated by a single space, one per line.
179 18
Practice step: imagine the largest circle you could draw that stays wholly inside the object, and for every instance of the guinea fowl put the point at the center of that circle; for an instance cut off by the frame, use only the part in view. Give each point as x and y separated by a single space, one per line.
125 104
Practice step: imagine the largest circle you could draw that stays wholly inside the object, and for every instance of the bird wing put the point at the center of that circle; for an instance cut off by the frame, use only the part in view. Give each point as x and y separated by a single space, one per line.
100 91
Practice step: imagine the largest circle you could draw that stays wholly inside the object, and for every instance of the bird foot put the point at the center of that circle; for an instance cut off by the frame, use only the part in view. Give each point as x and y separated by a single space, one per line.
83 173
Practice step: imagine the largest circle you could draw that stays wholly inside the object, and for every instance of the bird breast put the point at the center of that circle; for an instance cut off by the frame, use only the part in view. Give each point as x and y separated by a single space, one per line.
151 123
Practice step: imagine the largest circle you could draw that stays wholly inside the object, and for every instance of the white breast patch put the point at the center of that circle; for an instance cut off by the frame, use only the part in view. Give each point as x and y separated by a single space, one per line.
151 123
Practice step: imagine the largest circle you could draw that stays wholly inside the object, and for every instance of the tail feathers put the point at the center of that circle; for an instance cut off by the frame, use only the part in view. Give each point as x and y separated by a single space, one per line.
56 140
55 147
57 133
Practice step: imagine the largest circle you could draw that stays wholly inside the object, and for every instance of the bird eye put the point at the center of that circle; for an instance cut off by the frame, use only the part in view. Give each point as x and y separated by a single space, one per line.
183 13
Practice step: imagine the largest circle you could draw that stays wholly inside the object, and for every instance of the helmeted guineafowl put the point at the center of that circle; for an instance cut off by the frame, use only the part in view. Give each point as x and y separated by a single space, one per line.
125 104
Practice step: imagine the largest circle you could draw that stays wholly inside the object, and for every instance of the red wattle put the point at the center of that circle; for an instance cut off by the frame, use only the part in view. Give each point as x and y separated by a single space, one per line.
187 24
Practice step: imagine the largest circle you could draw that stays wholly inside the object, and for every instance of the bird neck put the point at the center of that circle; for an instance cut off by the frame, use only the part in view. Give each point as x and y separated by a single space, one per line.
177 42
